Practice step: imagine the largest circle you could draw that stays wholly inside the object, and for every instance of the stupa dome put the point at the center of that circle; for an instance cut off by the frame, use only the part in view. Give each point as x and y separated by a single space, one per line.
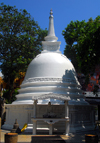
50 65
50 75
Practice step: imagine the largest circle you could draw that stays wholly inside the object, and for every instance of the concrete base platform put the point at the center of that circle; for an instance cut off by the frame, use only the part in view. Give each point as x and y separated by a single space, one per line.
72 138
47 139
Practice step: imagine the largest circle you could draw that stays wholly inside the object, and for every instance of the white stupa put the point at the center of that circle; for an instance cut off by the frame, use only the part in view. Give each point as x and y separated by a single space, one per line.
49 87
50 73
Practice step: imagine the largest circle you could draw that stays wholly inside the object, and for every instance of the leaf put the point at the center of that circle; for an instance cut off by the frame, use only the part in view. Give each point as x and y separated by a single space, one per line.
18 32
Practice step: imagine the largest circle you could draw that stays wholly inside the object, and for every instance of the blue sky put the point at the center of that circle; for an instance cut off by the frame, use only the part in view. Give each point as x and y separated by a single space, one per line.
63 10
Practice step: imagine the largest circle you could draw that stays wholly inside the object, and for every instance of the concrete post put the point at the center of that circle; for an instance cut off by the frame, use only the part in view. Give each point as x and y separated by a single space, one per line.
50 129
67 128
34 126
66 116
66 109
35 105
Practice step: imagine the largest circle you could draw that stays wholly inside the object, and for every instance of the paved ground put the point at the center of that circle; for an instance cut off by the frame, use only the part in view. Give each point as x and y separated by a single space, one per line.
28 138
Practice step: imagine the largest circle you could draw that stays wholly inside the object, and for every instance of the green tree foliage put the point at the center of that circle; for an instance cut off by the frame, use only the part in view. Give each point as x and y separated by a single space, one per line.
6 95
20 42
82 44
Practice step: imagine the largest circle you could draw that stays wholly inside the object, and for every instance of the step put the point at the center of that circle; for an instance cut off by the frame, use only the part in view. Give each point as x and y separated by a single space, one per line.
29 129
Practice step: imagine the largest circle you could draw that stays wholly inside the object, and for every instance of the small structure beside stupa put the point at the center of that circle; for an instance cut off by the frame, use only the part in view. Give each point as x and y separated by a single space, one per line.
50 97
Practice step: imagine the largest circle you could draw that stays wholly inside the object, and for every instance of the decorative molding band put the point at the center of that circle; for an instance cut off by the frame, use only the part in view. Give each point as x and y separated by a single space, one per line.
49 79
51 46
52 95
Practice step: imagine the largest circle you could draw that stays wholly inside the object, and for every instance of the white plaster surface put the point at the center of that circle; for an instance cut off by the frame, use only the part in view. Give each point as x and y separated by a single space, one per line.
51 76
80 116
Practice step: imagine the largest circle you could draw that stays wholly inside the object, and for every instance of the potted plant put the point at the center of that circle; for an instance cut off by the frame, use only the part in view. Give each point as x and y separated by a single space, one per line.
11 137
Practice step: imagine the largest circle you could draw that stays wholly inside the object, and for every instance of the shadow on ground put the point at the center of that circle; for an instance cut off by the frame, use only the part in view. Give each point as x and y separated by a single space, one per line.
56 138
47 139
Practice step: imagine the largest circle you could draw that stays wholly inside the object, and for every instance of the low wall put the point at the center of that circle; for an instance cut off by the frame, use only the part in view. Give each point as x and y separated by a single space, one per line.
81 116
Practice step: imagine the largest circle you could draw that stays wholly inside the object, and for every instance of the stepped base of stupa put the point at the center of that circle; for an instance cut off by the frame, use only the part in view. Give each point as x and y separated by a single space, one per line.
80 116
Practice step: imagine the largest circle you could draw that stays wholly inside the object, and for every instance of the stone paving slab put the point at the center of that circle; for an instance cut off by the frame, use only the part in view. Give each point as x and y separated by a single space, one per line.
45 138
23 138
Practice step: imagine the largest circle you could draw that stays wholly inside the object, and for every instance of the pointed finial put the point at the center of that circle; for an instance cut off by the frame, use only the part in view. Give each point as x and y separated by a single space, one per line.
51 13
51 43
51 33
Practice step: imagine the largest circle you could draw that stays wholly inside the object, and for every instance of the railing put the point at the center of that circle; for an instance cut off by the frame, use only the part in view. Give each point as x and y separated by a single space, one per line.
90 94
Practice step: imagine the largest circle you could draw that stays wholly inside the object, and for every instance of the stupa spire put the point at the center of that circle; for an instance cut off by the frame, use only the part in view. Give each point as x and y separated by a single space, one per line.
51 32
51 43
51 12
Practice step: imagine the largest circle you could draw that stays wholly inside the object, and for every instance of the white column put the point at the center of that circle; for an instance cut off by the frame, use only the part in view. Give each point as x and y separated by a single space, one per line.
66 109
50 129
35 104
66 116
7 115
34 126
67 128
